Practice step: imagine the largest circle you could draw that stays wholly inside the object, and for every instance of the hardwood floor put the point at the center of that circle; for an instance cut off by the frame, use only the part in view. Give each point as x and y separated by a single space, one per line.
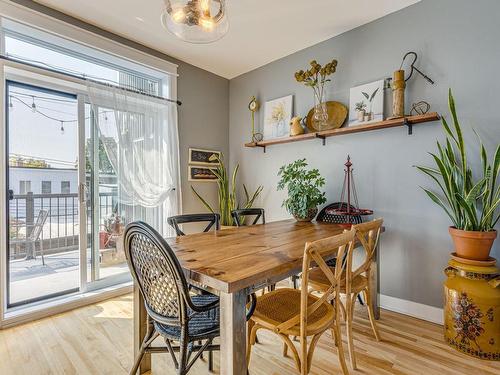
98 340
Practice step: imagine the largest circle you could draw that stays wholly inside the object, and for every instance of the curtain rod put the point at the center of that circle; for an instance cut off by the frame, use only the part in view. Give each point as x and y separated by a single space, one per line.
74 76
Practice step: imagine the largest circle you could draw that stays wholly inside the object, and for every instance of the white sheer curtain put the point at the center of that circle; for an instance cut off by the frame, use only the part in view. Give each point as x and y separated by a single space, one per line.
140 137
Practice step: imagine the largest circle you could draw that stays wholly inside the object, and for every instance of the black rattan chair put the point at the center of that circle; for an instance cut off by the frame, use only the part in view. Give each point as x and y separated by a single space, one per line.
191 322
212 219
240 214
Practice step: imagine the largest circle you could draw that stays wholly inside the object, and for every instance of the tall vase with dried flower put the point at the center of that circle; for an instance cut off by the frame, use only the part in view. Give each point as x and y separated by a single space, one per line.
316 77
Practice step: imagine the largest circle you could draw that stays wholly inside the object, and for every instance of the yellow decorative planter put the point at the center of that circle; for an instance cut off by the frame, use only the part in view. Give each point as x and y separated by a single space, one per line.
472 309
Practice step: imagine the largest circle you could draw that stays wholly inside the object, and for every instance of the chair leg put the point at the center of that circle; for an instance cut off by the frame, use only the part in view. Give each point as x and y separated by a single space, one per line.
252 333
183 356
371 314
340 348
148 339
211 361
288 343
41 251
350 300
285 349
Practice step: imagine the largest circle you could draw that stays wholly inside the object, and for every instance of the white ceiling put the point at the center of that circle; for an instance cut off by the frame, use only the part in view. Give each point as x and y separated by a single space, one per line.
260 31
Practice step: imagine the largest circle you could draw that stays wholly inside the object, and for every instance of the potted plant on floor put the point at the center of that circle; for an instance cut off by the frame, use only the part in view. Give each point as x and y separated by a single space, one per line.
304 195
471 203
228 200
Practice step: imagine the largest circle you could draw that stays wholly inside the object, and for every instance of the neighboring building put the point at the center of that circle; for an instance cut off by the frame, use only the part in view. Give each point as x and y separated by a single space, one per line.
43 180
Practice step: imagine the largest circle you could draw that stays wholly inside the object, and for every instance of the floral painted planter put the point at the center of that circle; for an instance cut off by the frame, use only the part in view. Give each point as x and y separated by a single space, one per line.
472 309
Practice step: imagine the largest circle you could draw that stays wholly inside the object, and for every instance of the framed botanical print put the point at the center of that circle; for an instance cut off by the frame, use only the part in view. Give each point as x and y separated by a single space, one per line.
200 173
204 157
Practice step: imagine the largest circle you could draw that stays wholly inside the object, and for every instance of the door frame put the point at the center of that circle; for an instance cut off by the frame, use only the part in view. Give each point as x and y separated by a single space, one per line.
26 83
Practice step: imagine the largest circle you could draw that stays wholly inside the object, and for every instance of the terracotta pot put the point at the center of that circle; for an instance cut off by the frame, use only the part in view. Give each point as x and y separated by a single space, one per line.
311 214
471 244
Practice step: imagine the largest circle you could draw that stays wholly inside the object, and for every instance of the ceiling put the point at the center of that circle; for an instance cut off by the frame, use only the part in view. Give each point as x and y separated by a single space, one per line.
260 31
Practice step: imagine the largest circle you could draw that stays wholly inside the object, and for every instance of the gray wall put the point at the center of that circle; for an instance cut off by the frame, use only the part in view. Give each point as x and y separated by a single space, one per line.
203 116
457 43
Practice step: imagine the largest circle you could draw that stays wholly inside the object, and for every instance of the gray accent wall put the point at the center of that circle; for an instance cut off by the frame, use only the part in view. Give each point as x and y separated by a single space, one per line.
457 43
203 116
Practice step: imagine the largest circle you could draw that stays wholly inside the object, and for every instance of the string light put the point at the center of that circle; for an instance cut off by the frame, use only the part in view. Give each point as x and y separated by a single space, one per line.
11 106
33 105
62 127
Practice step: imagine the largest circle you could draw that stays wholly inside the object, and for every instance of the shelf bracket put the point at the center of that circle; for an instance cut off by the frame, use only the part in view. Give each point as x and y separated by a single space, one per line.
322 137
409 125
263 147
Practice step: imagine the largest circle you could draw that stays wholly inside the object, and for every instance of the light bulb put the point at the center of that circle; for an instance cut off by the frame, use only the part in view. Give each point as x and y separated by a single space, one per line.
33 106
62 127
207 24
205 7
179 16
11 105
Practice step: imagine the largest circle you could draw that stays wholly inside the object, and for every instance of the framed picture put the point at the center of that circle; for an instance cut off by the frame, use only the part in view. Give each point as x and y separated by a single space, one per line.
277 116
196 173
366 103
204 157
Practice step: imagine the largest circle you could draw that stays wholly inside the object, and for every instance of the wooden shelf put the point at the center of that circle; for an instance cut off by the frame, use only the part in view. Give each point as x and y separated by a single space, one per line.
408 121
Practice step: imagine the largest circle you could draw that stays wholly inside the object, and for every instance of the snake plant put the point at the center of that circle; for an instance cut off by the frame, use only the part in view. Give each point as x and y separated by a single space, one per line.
227 192
470 203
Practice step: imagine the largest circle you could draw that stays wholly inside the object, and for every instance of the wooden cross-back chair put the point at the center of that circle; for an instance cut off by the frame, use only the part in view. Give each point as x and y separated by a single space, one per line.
212 219
355 280
240 214
291 312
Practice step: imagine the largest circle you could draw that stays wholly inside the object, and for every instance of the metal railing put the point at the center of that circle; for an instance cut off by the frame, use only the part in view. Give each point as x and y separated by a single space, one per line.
61 229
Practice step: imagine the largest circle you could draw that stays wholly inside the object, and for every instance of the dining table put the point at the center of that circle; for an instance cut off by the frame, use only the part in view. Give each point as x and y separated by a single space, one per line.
236 262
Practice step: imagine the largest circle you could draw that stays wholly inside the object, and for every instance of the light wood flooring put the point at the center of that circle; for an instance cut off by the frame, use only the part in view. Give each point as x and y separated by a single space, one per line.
98 340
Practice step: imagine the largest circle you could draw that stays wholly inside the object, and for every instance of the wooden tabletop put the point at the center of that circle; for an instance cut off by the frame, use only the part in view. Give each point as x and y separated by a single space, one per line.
232 259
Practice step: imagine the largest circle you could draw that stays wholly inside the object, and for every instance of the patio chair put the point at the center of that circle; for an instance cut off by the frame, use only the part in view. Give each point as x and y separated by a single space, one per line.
34 236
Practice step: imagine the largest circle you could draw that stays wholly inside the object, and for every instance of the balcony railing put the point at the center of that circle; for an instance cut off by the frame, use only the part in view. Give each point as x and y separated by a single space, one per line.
61 229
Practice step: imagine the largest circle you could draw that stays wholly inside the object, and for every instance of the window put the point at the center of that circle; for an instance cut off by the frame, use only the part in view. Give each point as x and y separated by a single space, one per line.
65 187
47 50
24 187
46 187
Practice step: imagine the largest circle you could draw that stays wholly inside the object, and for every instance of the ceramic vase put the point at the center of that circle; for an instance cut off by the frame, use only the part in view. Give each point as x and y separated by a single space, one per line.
472 309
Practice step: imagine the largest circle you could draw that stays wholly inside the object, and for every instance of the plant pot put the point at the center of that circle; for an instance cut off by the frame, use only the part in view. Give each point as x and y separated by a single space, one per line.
361 115
472 244
311 214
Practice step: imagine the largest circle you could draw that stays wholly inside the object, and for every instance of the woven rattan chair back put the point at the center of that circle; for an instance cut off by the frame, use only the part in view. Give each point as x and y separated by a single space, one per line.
368 235
240 214
326 217
212 219
158 273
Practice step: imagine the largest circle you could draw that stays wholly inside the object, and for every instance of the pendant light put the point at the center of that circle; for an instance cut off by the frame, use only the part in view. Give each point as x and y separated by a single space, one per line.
196 21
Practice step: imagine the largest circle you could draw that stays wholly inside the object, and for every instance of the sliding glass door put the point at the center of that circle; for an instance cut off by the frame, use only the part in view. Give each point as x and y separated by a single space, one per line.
43 197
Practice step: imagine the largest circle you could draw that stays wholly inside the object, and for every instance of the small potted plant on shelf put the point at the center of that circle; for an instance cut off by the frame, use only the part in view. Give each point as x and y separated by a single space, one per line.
303 186
471 203
361 109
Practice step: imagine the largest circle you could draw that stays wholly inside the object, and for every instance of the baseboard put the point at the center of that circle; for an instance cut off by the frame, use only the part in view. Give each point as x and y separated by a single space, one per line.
417 310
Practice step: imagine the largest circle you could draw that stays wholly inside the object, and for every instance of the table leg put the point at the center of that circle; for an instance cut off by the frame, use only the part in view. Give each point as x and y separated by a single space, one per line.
140 328
232 334
375 282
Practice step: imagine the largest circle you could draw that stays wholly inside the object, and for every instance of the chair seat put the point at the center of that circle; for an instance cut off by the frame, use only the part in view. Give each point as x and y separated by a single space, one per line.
277 307
201 326
318 281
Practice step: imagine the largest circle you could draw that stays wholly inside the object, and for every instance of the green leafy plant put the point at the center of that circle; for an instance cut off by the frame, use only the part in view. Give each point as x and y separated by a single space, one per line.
370 97
470 204
227 192
360 106
302 186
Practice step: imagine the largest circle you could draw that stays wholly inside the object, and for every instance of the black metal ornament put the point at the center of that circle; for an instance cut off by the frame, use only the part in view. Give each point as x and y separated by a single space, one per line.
414 68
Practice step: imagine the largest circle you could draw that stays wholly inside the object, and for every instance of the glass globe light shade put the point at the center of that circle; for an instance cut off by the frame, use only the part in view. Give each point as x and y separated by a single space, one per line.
196 21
